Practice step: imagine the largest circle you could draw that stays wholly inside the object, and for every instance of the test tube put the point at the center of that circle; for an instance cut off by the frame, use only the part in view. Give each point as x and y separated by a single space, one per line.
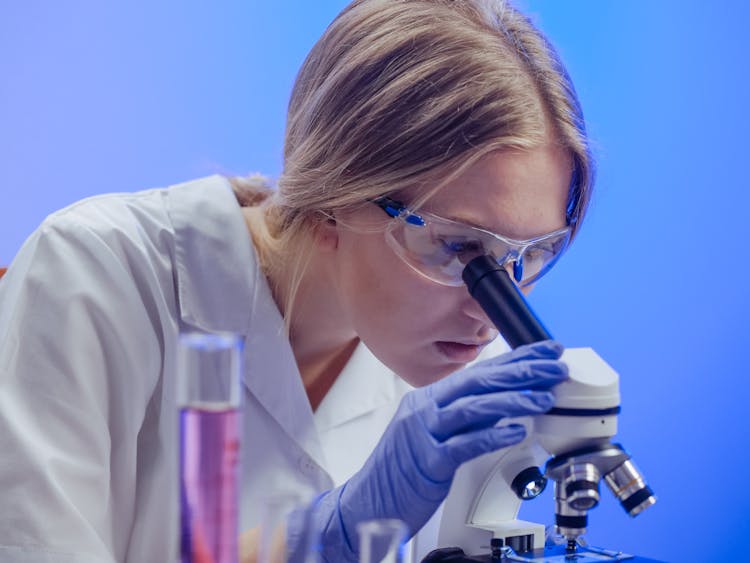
275 508
208 390
381 541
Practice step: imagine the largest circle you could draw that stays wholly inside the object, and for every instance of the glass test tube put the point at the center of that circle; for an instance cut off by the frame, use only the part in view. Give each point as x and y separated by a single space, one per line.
208 387
275 509
381 541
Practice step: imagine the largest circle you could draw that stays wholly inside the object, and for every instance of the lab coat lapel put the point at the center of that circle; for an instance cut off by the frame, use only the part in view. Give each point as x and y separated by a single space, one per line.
364 385
272 375
214 249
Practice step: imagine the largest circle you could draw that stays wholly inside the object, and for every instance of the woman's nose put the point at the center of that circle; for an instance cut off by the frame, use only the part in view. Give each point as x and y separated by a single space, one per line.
471 308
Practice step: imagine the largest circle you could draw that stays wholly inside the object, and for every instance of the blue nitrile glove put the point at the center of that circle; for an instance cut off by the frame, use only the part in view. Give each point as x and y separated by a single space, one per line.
435 429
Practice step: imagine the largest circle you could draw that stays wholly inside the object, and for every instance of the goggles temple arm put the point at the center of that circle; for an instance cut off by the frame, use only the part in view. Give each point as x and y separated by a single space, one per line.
398 210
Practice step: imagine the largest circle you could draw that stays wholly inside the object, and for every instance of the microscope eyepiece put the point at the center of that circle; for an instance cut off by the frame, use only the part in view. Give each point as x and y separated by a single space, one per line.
489 283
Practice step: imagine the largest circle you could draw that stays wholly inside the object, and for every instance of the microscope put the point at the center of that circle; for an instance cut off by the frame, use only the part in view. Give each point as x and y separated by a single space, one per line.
573 441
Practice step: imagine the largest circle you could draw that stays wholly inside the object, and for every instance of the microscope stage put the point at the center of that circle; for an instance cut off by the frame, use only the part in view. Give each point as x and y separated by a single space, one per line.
558 554
553 554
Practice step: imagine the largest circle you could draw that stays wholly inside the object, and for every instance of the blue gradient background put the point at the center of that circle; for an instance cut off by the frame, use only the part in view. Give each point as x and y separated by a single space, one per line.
98 97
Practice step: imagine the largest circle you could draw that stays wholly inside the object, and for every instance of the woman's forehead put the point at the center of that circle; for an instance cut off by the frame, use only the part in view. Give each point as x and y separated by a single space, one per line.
517 193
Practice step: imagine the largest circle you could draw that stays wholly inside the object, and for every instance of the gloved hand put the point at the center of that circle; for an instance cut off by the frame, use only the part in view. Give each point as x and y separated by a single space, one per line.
435 429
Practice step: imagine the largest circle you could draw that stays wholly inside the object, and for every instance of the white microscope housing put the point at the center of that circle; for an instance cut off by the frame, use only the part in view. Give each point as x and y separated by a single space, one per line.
573 440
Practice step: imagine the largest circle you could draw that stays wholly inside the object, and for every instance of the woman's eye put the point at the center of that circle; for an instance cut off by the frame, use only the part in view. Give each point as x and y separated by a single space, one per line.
532 254
537 255
460 246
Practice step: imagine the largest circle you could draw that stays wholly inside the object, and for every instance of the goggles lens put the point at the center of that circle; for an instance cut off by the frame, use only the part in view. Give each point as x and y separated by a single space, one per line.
440 248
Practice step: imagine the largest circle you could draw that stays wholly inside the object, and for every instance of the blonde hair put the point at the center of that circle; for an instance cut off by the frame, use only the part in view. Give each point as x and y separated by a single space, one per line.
403 94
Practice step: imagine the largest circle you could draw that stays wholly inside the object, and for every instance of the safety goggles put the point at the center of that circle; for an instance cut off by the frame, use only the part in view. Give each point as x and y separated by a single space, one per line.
439 248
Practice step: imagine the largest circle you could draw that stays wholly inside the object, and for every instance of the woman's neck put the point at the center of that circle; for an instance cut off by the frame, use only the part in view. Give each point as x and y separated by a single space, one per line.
321 372
320 337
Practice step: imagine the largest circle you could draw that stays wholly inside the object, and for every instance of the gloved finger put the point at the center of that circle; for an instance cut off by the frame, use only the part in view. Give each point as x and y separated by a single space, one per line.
463 447
543 350
472 413
487 378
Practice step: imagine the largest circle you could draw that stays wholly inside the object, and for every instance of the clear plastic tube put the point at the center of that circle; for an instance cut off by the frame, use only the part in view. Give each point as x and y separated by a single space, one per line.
208 386
381 541
275 510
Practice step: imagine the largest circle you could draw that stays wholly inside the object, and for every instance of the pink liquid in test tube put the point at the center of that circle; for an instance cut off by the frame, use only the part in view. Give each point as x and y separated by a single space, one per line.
208 493
209 367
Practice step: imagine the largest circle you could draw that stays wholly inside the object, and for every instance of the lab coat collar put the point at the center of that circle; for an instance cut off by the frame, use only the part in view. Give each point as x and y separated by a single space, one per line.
278 386
363 386
214 250
204 260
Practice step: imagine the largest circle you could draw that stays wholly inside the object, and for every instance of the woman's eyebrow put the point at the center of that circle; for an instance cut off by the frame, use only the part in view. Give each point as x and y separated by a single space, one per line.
470 223
458 219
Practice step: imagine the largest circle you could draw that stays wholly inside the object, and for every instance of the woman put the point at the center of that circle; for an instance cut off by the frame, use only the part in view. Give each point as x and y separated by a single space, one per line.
418 132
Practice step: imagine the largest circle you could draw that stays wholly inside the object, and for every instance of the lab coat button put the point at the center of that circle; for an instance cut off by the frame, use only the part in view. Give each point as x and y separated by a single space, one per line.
306 466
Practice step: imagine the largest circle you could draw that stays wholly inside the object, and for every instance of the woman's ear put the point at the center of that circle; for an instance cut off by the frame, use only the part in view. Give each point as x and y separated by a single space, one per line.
327 234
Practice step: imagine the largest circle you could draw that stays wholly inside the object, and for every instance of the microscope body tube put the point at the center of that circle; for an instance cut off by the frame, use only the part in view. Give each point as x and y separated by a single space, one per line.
489 283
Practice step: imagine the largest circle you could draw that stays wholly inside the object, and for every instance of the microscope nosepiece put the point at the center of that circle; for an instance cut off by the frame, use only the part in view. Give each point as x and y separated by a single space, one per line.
570 522
627 484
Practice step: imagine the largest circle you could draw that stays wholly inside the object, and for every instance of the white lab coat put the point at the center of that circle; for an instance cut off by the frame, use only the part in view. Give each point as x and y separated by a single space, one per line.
90 311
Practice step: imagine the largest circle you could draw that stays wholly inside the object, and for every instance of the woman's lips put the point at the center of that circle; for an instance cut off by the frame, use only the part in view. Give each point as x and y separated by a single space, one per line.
457 352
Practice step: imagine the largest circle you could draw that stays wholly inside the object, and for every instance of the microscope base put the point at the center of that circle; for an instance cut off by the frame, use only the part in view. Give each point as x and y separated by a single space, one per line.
553 554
